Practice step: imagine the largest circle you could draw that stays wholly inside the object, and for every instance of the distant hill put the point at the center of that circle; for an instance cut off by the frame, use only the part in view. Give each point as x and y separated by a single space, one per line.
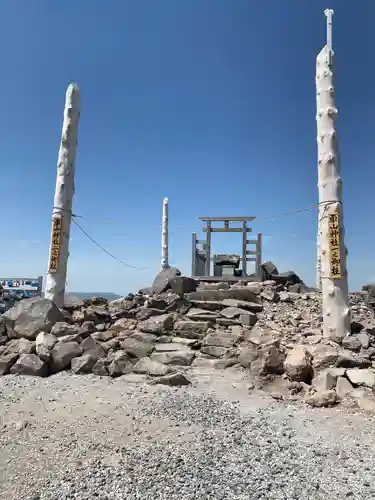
89 295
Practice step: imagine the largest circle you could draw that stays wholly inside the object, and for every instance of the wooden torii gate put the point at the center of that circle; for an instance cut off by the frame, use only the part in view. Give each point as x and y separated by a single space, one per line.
201 257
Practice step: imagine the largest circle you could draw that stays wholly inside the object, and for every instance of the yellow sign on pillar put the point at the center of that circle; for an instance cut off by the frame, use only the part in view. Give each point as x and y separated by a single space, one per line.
55 245
334 245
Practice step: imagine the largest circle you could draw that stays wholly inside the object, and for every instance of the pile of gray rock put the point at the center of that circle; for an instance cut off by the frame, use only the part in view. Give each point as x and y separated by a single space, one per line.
262 327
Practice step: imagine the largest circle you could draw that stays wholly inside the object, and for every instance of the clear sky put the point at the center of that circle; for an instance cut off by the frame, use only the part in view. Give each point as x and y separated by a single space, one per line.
208 102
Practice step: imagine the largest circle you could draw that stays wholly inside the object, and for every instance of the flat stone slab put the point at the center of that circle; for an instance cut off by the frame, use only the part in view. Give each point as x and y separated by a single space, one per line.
221 339
186 342
173 380
201 314
215 351
208 305
242 304
149 367
157 324
244 293
227 322
218 364
182 358
198 327
364 377
232 312
173 346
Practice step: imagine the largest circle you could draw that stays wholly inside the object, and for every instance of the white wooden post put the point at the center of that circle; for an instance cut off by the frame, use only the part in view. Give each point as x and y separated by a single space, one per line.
164 236
62 209
332 251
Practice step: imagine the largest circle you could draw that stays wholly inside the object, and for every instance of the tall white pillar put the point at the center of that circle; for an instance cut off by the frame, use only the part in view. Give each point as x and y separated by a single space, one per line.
332 251
164 236
62 209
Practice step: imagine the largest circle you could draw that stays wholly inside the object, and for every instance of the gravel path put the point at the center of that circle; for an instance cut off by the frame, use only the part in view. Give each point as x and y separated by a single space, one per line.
85 437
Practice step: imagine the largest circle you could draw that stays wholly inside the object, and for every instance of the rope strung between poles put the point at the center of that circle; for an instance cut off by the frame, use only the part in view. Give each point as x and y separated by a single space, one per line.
158 226
105 250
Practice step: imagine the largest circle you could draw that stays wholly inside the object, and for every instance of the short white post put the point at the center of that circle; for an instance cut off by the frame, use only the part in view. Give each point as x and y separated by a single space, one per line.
164 236
332 251
62 209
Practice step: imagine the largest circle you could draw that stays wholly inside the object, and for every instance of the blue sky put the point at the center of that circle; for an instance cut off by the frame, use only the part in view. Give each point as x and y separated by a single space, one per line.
208 102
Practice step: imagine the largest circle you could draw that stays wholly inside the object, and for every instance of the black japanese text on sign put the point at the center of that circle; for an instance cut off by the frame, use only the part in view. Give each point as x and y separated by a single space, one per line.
55 245
334 245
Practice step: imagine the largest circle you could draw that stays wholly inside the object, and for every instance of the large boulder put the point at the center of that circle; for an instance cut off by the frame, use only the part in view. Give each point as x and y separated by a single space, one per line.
30 364
173 380
346 360
83 364
233 312
269 361
158 324
171 347
298 365
44 345
353 343
145 337
92 347
182 357
12 347
61 329
63 353
191 329
322 399
149 367
364 378
198 314
299 288
101 367
120 364
216 351
324 381
145 313
124 324
136 348
247 355
285 279
181 285
269 269
323 355
222 339
97 314
161 282
26 347
3 329
6 361
103 336
343 387
31 316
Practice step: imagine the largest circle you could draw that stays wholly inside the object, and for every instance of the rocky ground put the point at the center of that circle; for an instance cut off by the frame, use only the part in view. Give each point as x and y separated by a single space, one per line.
271 331
85 437
187 390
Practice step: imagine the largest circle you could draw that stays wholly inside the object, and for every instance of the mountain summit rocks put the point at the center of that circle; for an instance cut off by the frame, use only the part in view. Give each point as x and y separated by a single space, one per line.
263 328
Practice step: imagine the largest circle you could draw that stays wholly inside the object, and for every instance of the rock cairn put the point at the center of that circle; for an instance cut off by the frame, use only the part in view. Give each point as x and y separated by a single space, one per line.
262 327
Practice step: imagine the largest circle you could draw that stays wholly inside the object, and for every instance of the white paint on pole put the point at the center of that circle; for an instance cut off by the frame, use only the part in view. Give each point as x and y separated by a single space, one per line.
62 209
164 236
332 251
